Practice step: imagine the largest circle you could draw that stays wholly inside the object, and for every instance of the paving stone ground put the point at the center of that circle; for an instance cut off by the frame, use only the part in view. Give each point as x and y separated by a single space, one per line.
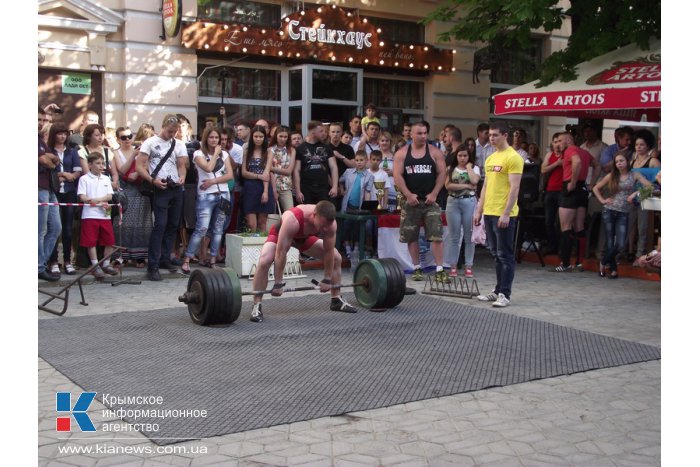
610 416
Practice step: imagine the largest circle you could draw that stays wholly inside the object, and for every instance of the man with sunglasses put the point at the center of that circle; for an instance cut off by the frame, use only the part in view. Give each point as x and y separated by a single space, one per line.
168 191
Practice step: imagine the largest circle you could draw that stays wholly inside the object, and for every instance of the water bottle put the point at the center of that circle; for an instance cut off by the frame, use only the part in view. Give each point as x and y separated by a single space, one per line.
354 259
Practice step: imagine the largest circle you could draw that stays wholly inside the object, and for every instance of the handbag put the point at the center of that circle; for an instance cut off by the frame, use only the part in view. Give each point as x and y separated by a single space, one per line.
54 181
119 198
147 188
224 204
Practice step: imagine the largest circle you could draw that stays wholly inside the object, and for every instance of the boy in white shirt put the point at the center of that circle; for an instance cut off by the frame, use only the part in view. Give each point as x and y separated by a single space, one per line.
96 226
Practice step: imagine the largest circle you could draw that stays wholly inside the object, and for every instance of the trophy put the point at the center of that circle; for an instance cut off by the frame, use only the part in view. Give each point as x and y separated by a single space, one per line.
380 193
399 199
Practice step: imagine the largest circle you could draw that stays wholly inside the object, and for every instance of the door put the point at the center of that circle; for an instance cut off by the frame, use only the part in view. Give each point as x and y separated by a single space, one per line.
324 93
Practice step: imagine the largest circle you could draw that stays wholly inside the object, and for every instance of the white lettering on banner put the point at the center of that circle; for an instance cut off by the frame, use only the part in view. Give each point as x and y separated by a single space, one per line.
526 102
650 96
584 99
636 73
328 36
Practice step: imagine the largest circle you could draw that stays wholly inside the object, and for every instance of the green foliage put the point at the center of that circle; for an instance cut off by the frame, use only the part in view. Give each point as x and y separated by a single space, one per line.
599 27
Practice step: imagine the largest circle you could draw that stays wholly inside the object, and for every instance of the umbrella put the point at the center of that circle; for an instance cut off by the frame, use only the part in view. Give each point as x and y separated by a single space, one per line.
624 84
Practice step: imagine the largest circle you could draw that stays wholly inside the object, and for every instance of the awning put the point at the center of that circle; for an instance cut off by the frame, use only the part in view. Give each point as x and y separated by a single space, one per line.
624 84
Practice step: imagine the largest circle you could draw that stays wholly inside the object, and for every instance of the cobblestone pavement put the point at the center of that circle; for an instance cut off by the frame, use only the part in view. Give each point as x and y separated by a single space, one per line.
604 417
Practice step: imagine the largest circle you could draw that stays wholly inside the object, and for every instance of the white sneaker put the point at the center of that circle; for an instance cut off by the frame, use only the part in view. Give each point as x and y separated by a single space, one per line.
501 302
55 269
489 297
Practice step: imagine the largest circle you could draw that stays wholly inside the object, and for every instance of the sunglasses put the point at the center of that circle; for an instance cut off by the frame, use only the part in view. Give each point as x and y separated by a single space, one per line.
126 137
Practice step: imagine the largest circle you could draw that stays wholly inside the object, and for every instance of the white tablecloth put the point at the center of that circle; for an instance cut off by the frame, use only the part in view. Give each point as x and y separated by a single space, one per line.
388 244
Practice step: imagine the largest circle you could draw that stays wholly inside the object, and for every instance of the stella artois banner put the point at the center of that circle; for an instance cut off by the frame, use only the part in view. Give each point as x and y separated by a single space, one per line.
624 84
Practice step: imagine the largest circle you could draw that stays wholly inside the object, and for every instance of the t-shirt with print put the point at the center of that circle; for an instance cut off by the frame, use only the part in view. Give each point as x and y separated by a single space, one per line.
94 187
313 158
219 170
498 166
156 148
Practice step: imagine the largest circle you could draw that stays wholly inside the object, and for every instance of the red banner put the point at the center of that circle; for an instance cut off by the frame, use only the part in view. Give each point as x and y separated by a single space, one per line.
622 103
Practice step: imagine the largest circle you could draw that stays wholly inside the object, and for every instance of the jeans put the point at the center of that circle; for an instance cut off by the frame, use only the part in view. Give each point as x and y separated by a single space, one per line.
167 209
501 246
208 212
460 213
551 208
615 235
49 227
67 215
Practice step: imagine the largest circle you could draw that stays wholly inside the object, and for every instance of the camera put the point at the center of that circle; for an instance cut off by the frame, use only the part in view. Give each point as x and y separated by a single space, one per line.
172 184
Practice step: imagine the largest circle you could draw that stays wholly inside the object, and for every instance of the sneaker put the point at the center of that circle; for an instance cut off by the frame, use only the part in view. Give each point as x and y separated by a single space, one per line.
176 261
110 270
453 272
55 269
168 265
339 304
501 301
489 297
154 275
468 273
256 315
70 270
442 277
579 267
562 268
417 275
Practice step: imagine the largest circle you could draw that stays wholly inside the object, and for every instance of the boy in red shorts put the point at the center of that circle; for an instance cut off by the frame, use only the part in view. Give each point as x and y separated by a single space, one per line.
96 227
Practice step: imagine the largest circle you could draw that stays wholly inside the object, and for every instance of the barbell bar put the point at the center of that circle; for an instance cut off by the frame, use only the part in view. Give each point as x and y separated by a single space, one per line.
214 296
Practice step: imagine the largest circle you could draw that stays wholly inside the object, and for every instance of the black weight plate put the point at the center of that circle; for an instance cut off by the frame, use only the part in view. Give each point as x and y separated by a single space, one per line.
223 304
396 286
237 297
198 311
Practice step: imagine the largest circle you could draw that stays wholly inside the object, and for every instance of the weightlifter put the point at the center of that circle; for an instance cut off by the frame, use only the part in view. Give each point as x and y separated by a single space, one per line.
310 228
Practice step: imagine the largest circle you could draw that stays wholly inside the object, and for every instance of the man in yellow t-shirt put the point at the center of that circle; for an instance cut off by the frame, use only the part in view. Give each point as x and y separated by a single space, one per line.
499 205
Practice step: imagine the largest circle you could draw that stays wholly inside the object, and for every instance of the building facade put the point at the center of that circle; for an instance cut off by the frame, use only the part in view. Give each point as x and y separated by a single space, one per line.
285 61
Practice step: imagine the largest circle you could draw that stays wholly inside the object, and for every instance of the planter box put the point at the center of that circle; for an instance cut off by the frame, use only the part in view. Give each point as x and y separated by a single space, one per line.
652 204
242 254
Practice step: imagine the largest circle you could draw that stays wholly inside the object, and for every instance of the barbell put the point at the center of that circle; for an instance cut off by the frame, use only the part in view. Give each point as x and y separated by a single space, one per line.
214 296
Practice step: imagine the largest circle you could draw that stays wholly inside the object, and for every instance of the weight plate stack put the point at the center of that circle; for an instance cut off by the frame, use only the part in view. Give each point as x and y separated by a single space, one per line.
396 282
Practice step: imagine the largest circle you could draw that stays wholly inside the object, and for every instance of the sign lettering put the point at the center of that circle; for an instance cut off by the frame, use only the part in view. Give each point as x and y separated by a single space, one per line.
76 83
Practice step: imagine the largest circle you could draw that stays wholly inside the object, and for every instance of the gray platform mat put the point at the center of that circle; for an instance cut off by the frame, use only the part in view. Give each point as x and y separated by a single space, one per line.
306 362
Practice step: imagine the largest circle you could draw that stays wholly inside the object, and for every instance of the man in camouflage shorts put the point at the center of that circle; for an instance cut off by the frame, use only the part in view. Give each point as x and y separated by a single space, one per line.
419 173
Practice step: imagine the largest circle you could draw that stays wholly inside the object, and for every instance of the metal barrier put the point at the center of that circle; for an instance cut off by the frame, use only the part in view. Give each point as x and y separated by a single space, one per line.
454 287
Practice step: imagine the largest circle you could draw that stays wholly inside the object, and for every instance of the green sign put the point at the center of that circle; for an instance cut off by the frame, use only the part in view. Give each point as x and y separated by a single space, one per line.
76 83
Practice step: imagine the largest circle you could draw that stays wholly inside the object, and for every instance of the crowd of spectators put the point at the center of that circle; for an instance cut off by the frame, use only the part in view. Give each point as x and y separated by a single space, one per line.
233 178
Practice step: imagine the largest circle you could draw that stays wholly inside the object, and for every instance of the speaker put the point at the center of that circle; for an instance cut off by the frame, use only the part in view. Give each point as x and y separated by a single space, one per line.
529 195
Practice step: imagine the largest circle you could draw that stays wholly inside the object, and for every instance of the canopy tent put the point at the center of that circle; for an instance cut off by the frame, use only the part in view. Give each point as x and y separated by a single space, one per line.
624 84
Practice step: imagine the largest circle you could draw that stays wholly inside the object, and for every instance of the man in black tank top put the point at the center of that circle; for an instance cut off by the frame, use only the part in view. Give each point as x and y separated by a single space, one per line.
419 173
